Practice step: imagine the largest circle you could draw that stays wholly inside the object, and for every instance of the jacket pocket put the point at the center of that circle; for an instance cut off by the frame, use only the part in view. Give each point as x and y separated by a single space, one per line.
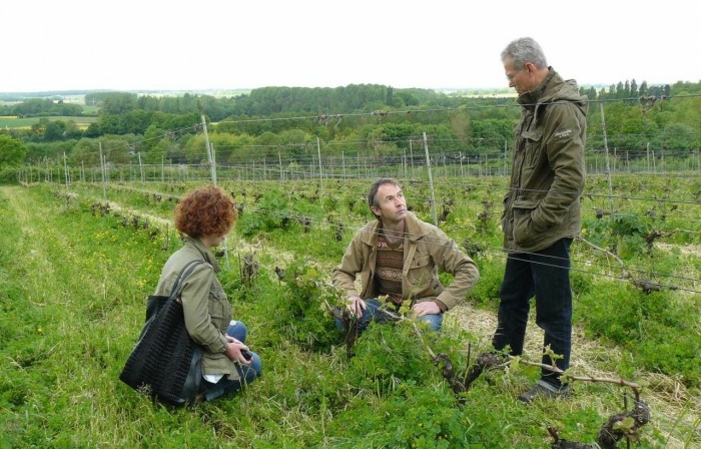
420 273
420 276
534 143
219 309
524 231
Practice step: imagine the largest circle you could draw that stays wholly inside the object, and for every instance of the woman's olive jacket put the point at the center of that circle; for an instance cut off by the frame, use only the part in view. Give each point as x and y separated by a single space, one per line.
427 249
205 305
548 172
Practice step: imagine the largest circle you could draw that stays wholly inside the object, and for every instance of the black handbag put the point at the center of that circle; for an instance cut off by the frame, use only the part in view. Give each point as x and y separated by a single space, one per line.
165 363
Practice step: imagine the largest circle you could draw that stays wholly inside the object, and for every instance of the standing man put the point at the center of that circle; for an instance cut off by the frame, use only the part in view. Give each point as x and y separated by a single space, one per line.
541 210
398 256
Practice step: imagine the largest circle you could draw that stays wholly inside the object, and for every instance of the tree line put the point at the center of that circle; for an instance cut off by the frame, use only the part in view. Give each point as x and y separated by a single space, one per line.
364 118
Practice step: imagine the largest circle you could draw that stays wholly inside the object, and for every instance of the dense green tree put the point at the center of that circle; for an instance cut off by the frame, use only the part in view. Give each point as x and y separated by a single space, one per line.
37 107
620 90
227 147
195 151
267 146
158 153
54 130
686 88
86 152
46 130
95 98
116 103
687 111
12 151
114 149
678 138
176 153
643 88
589 92
461 125
295 143
147 103
48 150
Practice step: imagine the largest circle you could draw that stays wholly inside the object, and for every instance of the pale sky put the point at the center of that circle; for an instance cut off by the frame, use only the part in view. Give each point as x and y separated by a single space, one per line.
240 44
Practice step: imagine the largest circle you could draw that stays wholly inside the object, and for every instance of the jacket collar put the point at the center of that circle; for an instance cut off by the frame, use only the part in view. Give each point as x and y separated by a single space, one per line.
204 251
529 99
412 226
553 88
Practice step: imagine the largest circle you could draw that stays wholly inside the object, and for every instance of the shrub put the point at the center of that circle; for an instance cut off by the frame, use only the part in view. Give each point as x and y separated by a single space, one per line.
300 312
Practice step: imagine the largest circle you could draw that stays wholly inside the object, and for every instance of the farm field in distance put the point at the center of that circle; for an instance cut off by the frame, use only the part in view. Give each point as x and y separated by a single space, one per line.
13 122
79 259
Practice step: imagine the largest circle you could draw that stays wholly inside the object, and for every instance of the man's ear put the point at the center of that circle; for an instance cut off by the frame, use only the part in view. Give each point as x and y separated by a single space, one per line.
530 67
375 210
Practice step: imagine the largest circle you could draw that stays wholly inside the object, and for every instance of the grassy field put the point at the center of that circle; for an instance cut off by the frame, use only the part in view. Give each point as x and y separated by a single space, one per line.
13 122
75 276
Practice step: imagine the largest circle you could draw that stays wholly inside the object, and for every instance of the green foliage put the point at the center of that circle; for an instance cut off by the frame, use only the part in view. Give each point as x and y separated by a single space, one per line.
301 313
628 224
273 212
115 103
9 175
45 107
74 283
413 417
658 328
12 151
486 291
467 127
388 354
624 233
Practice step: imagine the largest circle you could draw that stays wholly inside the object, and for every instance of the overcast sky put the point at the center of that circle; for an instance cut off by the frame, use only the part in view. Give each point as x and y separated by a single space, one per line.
232 44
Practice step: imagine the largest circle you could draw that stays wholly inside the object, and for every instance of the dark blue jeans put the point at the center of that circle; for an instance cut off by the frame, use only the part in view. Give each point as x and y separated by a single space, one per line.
544 274
247 374
373 312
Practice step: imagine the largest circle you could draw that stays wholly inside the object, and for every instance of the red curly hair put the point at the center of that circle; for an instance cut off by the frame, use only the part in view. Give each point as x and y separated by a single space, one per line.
205 211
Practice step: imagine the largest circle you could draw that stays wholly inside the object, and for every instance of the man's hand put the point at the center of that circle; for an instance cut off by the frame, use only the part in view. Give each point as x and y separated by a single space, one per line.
426 308
356 306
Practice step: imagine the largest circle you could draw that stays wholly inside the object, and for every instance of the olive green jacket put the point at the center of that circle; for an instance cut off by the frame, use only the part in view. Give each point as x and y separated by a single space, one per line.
426 250
548 172
205 305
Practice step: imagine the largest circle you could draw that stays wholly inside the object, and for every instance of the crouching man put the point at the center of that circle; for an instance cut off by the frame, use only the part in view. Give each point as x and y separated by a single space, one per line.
398 257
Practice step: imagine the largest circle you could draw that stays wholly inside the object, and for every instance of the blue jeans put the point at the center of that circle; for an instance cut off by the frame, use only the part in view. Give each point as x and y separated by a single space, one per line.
247 374
544 274
374 312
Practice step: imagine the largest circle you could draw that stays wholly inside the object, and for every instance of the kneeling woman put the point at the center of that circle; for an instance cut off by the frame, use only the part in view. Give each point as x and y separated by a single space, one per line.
205 216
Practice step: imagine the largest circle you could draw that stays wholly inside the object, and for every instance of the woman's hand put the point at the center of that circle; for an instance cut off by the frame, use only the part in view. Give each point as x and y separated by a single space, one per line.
233 351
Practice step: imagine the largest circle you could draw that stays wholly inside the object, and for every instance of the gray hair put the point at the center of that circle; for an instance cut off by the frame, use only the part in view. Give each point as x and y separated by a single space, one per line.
524 50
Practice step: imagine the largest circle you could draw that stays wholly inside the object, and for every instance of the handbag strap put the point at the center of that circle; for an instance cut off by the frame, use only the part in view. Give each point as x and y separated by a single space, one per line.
184 274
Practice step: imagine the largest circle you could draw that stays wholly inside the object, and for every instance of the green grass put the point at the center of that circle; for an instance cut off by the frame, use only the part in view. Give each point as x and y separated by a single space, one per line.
74 287
12 122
